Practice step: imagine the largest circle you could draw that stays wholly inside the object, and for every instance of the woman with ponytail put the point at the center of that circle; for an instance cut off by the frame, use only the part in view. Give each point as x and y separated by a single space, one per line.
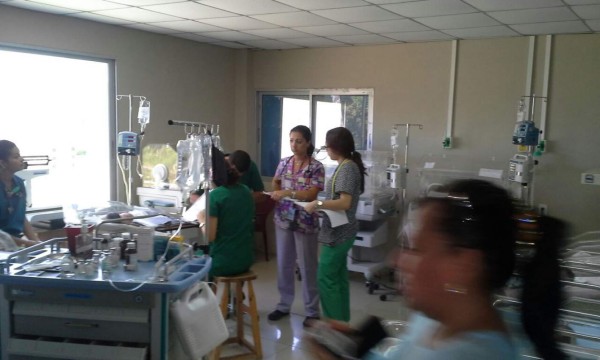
342 193
231 225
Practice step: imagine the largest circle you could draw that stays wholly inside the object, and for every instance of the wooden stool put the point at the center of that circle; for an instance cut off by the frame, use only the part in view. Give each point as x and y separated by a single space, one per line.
240 308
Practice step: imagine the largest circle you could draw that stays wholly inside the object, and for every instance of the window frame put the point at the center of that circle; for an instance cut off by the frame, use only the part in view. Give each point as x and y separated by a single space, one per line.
369 92
111 111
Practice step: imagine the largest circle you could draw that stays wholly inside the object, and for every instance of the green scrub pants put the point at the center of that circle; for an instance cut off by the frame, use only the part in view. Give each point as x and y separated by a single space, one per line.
332 278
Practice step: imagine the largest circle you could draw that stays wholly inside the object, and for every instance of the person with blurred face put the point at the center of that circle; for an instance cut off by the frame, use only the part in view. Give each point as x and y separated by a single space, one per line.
463 252
13 197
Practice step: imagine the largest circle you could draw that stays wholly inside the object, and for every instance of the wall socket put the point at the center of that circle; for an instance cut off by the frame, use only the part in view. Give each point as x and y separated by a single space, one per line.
542 209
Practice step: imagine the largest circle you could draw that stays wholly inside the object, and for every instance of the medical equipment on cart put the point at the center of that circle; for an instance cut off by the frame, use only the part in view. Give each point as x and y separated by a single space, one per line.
119 314
194 157
396 174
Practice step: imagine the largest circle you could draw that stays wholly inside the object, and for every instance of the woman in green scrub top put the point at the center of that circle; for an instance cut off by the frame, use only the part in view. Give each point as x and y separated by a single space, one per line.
231 223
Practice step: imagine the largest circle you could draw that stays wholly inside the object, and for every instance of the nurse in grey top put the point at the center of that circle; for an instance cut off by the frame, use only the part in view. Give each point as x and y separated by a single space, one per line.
342 193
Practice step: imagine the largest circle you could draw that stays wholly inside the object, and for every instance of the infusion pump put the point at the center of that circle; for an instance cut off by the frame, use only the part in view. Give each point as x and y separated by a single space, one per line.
519 169
396 176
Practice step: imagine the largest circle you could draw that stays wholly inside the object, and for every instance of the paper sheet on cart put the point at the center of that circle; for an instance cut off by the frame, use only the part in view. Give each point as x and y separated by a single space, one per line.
155 221
191 214
336 217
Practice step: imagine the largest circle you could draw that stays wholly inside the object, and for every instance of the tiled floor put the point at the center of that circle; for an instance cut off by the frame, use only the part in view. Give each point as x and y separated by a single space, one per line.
283 339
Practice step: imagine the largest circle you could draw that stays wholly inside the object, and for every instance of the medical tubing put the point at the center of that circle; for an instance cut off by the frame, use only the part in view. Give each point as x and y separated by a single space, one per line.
125 183
162 259
112 284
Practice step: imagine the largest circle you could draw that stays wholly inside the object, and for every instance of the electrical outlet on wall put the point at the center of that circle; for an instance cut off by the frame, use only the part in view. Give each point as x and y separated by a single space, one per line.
542 209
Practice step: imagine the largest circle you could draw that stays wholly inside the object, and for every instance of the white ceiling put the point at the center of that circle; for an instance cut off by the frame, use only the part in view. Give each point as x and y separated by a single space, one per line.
289 24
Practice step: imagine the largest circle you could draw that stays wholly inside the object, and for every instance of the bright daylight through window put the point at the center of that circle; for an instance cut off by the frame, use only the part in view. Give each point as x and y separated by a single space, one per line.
320 110
59 107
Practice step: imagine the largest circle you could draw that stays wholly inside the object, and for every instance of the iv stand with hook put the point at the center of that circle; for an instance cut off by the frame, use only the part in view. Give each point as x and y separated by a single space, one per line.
127 159
207 182
407 136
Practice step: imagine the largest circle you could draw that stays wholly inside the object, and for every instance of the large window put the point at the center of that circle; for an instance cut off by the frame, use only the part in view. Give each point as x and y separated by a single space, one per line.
320 110
59 106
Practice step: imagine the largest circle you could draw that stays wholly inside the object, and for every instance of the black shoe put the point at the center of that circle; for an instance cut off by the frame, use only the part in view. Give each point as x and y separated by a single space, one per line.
276 315
309 320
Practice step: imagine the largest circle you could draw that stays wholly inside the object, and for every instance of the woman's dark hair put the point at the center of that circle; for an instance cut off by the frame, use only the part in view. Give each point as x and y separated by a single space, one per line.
6 147
479 215
341 141
307 135
239 163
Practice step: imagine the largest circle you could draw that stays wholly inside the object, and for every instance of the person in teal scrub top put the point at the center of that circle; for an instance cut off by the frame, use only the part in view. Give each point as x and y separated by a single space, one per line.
13 197
231 221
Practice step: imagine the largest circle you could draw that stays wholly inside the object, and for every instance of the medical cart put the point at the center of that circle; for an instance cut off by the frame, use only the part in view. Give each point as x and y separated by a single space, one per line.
120 314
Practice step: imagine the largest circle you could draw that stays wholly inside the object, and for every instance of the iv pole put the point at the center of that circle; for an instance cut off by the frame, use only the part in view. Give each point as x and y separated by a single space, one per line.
128 182
207 176
405 158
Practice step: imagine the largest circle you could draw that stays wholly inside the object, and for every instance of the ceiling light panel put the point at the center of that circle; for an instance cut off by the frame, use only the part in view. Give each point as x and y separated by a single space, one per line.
230 44
363 39
188 26
588 12
245 7
87 5
357 14
430 8
231 36
416 36
495 5
323 4
484 32
582 2
152 28
315 42
271 44
534 15
41 7
331 30
390 26
294 19
593 24
379 2
565 27
280 33
189 10
458 21
196 37
144 2
239 23
138 15
101 18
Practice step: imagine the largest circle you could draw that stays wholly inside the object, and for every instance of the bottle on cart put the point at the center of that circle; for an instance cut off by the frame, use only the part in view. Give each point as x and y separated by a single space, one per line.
105 242
131 257
84 244
123 244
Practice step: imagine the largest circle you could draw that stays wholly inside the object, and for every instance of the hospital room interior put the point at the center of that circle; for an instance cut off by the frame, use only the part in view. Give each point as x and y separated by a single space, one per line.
128 120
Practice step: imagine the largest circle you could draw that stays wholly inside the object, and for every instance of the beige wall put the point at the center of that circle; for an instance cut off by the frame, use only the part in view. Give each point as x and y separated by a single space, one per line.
411 84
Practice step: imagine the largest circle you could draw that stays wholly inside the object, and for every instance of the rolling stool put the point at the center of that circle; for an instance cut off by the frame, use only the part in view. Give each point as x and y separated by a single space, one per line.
240 307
